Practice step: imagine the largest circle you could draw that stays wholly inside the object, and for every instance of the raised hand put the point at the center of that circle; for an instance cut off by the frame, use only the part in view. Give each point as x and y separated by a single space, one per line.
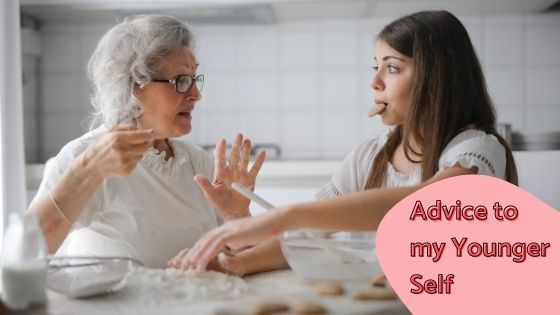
230 203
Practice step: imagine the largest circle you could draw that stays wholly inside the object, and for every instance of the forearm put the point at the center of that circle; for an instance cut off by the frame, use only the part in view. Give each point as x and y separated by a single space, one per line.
266 256
229 215
357 211
71 193
352 212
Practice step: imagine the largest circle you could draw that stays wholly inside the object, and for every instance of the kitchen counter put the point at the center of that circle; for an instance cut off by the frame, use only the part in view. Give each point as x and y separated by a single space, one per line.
282 285
310 171
539 174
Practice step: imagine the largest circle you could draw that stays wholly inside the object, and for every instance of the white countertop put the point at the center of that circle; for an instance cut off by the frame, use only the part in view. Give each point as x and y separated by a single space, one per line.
539 174
281 285
272 168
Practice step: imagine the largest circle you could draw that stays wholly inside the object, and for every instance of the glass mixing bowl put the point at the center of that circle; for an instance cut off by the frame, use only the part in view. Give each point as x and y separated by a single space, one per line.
318 255
81 277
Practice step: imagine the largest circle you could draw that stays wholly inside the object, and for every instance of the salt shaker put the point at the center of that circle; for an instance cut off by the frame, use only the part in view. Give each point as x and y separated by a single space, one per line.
24 263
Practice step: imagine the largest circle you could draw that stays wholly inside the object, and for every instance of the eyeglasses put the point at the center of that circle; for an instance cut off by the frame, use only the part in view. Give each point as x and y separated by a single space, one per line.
184 83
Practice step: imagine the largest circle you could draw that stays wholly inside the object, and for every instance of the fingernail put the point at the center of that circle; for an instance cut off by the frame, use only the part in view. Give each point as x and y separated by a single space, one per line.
199 269
151 131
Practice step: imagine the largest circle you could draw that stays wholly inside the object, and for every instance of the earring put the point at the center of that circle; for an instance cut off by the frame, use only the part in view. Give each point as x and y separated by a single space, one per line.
136 111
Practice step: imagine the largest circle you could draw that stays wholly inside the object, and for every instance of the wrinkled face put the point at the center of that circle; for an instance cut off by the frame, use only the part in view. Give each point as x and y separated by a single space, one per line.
392 83
165 110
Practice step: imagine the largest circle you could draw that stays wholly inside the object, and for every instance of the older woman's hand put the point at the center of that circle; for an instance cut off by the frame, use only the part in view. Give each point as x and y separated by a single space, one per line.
117 152
235 234
231 204
225 262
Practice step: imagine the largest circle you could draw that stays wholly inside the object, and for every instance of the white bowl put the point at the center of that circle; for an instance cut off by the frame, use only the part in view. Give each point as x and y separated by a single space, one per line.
331 255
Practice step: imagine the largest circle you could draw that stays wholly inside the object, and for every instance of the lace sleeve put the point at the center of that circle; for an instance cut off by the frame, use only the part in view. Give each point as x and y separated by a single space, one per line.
329 190
476 149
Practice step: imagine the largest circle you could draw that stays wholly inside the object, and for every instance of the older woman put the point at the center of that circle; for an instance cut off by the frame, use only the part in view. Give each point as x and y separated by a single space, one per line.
127 187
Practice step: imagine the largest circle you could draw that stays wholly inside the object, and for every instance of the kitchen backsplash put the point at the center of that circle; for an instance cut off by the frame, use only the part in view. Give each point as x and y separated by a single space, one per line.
303 86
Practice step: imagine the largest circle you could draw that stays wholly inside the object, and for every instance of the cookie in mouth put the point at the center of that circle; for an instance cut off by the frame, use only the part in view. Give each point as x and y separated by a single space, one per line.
377 109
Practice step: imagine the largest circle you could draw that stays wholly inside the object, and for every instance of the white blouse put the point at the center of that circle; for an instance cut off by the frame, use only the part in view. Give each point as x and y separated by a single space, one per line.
149 215
470 148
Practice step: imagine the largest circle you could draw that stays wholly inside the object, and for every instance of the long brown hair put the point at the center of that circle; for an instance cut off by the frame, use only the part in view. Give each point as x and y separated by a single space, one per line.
449 92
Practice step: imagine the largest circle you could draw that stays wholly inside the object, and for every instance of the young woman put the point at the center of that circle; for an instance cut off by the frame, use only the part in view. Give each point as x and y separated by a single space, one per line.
429 84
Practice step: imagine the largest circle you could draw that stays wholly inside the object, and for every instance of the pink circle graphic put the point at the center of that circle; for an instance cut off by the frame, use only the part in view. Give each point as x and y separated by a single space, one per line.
472 245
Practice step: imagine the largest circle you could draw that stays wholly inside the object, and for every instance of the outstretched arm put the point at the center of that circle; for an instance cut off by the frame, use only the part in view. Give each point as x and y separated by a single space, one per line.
266 256
352 212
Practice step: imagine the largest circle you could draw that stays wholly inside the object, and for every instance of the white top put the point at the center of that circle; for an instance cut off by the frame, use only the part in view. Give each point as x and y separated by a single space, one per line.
470 148
149 215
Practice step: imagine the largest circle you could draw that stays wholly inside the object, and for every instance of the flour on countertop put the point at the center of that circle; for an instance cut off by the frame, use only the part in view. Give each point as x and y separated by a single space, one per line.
169 287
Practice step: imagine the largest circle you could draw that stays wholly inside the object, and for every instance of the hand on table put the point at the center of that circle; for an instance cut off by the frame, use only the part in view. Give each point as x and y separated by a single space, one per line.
234 234
224 262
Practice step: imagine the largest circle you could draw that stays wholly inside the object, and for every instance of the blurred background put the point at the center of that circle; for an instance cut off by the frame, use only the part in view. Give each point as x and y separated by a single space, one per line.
294 75
290 73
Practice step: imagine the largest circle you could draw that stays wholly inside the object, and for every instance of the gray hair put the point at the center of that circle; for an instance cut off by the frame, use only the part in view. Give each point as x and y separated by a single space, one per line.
127 55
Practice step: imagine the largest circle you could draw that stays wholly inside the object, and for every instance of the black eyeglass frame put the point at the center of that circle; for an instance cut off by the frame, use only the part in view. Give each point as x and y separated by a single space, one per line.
175 80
